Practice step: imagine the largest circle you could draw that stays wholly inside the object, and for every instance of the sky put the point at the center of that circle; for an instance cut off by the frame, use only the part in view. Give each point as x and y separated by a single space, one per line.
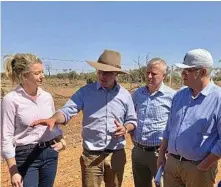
79 31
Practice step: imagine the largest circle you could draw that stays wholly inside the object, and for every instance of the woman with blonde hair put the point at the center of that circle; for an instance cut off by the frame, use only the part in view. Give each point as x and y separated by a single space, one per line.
31 153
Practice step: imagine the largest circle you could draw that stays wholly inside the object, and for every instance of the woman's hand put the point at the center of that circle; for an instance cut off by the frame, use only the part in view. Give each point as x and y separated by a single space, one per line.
58 146
16 180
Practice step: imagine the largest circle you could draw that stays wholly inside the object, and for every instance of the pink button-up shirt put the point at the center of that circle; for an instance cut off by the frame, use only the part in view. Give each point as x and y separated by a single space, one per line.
18 111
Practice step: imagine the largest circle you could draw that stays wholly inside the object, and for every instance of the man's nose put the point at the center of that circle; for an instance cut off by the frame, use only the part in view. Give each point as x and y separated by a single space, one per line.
149 75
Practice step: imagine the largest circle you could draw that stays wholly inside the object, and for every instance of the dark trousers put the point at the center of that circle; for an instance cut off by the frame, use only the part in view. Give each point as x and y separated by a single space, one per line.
144 166
37 166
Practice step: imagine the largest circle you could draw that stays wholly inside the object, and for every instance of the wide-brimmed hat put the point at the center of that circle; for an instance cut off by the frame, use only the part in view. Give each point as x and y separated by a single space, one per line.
108 61
196 58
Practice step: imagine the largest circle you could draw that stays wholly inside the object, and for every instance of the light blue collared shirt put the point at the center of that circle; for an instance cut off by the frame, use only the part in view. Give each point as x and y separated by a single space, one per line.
152 113
194 127
100 108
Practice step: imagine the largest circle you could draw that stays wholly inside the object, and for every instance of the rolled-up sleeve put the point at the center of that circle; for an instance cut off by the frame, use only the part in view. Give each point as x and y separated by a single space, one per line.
73 106
7 127
130 116
56 130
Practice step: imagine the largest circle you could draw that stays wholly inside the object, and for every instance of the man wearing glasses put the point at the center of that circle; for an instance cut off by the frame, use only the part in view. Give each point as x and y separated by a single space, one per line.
193 132
108 114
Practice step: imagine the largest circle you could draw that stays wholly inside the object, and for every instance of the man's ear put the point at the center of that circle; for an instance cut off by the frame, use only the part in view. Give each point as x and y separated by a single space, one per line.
165 75
203 72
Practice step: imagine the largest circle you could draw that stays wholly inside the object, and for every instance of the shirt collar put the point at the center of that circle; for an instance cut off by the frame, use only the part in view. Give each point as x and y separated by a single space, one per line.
207 90
162 89
115 88
19 88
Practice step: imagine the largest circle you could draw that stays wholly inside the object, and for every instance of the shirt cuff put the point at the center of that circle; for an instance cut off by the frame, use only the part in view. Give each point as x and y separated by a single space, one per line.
65 115
132 122
6 154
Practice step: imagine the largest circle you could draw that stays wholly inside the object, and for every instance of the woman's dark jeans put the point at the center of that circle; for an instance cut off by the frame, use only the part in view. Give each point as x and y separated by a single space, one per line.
37 166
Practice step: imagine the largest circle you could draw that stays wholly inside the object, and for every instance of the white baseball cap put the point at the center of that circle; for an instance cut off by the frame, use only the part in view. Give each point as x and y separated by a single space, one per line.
196 58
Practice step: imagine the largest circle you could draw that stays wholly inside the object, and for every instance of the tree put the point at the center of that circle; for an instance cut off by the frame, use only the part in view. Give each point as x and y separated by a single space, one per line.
48 68
62 75
216 74
65 70
73 75
91 77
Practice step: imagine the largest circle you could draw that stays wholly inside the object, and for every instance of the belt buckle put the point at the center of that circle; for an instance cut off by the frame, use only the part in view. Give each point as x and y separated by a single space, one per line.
53 141
42 145
180 158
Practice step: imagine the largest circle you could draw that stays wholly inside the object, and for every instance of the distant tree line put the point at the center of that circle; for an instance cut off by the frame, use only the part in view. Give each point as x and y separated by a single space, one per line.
133 76
73 75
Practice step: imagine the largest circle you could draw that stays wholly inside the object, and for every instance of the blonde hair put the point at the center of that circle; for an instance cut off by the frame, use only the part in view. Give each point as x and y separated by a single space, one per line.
16 65
159 61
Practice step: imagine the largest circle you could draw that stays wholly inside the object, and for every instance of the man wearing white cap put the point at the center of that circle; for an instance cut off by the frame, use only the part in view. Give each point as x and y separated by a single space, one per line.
108 114
193 133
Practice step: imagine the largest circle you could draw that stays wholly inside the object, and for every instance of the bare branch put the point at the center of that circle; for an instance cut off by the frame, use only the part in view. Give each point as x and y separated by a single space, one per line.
48 68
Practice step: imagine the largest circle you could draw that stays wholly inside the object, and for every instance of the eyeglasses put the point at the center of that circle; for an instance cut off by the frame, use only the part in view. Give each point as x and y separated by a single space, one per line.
188 71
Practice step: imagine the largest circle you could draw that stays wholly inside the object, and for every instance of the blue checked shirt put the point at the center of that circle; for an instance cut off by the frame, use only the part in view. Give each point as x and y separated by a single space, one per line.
100 108
194 127
152 114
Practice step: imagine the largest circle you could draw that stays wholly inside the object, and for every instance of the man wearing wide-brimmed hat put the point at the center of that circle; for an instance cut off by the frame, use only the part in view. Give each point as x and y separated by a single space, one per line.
108 114
193 132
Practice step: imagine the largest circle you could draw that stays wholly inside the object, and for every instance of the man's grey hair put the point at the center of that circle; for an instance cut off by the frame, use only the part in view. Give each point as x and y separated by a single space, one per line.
159 61
208 71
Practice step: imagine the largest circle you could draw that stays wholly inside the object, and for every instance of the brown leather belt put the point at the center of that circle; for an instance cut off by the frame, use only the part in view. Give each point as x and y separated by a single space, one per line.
180 158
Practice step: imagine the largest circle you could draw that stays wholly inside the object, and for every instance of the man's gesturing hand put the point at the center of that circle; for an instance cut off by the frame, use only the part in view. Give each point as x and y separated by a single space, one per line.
121 129
47 122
